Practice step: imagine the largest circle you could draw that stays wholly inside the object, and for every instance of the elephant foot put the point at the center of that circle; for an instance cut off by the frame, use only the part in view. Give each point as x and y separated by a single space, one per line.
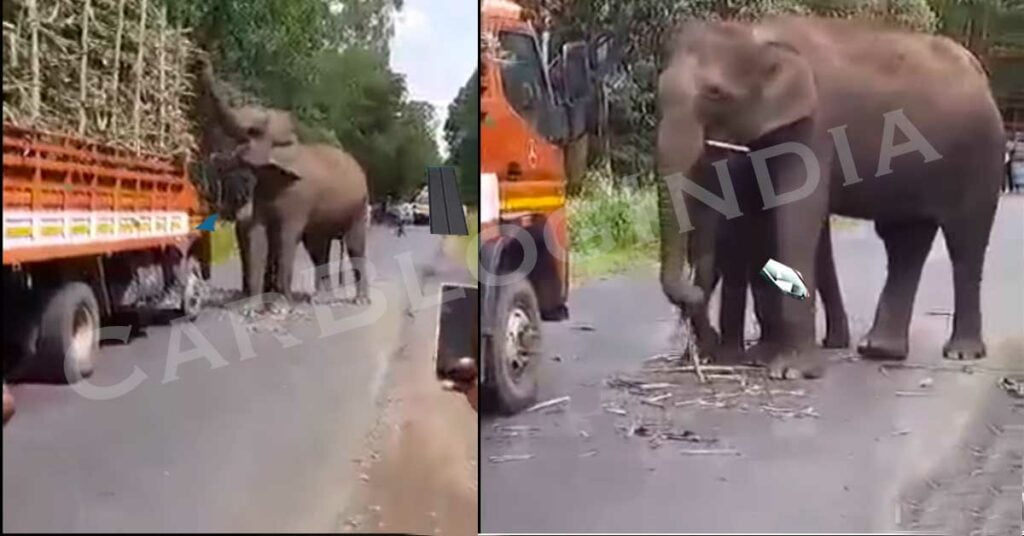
964 349
796 365
361 299
883 347
761 353
278 303
837 339
326 297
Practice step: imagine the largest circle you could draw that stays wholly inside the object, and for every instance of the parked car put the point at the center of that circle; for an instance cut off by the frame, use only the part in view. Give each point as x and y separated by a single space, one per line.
1017 166
421 207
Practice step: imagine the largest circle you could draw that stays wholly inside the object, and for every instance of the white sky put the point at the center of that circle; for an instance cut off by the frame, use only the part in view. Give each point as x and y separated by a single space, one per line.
435 47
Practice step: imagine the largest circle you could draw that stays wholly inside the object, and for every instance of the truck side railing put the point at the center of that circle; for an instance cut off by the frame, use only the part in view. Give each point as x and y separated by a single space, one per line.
64 196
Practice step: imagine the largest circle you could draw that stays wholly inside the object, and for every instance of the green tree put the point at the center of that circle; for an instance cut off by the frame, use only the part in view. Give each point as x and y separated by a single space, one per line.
326 61
462 136
644 27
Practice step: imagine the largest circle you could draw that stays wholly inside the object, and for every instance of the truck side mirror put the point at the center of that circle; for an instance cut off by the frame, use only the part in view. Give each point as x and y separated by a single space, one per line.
576 76
602 55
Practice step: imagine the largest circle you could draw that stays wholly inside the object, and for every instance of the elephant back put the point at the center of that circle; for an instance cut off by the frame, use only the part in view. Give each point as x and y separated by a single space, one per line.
329 175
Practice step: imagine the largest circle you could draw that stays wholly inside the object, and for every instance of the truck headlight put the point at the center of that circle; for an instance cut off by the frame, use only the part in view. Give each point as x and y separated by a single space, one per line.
490 197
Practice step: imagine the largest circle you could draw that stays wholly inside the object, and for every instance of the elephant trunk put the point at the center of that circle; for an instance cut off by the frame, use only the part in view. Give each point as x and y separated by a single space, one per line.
680 143
222 113
674 255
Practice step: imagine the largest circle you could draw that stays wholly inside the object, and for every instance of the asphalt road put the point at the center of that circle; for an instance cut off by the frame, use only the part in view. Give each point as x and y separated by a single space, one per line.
947 459
261 441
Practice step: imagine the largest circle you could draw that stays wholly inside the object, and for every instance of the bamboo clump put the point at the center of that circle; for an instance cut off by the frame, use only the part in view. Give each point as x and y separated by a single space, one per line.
113 71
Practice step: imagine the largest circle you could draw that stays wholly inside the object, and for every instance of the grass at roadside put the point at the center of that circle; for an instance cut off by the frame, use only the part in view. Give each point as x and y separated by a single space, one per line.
613 229
223 243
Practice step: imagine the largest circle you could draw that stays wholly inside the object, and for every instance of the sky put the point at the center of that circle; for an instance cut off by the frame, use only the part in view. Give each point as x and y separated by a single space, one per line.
435 47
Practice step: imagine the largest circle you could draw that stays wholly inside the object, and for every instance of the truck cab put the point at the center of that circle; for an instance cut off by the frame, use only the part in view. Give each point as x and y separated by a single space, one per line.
534 118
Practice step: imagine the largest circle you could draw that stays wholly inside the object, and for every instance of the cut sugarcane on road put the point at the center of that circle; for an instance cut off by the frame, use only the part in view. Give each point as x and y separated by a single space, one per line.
865 449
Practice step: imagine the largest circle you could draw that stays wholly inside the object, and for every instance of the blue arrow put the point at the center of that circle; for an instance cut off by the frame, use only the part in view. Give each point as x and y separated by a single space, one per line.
207 224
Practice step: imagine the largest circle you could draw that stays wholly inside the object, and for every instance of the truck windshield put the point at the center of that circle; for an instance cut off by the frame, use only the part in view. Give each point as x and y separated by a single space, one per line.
522 76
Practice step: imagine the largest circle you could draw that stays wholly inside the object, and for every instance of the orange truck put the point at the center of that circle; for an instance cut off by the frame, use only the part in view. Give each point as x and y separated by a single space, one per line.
91 232
535 115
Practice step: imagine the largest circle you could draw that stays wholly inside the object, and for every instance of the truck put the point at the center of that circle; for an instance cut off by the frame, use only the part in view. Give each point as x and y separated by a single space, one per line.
535 116
92 232
100 212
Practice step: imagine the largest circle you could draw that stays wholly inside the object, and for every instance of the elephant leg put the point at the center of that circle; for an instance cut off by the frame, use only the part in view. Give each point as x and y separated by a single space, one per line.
284 241
355 243
242 237
256 252
766 296
966 242
319 247
705 277
341 262
270 276
798 226
837 327
906 245
733 305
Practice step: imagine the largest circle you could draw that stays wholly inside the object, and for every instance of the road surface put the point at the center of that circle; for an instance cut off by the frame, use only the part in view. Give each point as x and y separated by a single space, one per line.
945 459
265 441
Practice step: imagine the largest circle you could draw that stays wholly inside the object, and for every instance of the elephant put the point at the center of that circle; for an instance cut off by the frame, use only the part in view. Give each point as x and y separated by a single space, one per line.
313 193
740 268
818 103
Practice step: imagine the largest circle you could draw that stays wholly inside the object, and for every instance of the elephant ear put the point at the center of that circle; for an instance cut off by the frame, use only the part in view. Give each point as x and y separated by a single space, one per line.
788 91
262 152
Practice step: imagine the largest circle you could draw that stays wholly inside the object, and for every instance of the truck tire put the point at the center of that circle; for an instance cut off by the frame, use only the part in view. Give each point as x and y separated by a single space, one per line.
68 335
511 352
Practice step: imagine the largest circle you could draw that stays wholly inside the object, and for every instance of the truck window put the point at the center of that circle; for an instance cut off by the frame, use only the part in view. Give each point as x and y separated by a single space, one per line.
522 77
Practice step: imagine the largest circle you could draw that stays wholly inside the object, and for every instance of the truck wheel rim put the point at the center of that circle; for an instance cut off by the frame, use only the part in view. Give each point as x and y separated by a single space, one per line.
192 298
83 338
516 348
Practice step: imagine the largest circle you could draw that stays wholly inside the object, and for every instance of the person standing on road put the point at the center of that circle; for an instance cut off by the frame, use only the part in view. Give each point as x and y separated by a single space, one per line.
400 220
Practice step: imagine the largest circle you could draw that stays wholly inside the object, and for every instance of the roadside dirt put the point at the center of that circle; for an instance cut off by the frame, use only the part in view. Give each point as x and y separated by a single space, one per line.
419 474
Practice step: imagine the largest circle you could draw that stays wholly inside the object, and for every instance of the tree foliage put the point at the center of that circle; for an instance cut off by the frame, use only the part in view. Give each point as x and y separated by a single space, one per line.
326 61
462 135
644 25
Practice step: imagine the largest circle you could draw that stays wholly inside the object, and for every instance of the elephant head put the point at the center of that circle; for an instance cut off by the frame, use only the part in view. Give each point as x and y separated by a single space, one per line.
725 81
265 136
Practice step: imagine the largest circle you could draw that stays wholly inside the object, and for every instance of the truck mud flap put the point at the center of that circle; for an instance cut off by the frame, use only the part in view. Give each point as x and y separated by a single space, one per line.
458 327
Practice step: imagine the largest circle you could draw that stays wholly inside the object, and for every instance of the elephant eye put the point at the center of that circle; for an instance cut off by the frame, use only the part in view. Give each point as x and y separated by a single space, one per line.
771 69
253 132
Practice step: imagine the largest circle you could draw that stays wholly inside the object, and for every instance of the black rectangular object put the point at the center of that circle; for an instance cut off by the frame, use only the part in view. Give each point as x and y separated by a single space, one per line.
458 333
446 215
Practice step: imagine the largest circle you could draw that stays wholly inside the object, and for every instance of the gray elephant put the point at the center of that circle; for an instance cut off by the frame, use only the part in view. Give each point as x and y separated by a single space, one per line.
747 249
312 193
818 102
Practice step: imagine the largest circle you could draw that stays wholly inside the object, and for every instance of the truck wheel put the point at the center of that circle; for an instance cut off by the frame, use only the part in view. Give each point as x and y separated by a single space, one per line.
193 289
510 354
68 334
